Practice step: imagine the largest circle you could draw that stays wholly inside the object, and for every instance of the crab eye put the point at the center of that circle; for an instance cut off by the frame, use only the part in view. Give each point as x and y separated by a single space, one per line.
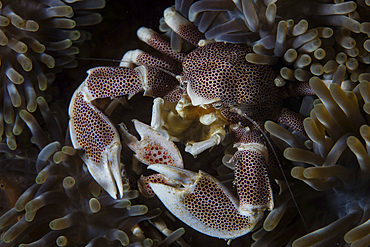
183 85
217 105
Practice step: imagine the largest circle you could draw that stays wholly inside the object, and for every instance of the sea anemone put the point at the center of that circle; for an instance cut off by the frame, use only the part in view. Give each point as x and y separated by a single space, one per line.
335 164
302 44
321 42
67 207
305 38
37 39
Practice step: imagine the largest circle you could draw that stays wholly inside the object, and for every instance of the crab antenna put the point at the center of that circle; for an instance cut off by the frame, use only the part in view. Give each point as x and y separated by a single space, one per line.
98 59
238 111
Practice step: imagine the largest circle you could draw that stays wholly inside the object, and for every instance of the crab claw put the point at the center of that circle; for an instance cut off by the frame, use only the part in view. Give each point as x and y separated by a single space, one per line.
202 202
153 148
92 131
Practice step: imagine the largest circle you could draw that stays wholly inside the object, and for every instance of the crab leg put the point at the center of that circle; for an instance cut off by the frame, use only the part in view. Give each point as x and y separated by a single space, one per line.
251 176
202 202
292 120
140 57
90 128
182 26
159 43
179 25
198 147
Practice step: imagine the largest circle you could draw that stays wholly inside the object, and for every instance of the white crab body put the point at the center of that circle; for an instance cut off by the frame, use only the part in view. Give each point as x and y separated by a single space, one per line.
193 106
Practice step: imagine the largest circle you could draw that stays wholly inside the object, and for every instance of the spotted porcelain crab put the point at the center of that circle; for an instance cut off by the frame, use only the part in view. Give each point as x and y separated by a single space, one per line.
196 96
